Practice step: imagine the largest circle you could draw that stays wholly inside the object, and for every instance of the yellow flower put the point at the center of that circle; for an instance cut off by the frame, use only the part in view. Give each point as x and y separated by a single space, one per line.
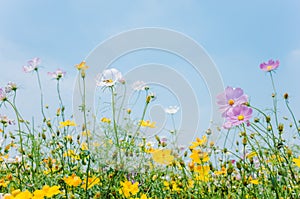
84 146
199 142
150 150
51 191
91 182
144 196
38 194
82 66
105 120
163 156
147 123
73 180
3 183
86 133
251 155
203 173
297 161
71 154
223 171
67 123
128 189
199 157
255 181
24 195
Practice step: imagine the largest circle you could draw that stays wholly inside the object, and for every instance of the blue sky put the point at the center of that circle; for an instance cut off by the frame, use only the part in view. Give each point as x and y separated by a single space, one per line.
237 35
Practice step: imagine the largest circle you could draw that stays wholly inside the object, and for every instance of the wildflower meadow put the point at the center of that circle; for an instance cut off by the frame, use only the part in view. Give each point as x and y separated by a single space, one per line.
112 157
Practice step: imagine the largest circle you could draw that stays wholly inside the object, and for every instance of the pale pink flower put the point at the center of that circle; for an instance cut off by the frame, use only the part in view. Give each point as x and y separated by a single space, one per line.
32 65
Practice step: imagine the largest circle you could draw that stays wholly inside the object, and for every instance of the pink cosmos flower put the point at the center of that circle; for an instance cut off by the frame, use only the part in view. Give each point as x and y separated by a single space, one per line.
11 86
58 74
238 115
2 95
109 77
230 98
32 65
269 66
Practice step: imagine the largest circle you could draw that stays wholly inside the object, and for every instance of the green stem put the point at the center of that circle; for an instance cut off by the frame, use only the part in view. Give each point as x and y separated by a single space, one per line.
42 95
274 99
114 122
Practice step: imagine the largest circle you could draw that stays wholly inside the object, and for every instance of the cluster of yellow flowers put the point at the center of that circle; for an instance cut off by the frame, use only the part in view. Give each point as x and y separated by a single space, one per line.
46 191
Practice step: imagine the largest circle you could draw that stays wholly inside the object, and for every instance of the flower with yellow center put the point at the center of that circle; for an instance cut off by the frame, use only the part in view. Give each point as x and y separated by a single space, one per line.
231 102
241 117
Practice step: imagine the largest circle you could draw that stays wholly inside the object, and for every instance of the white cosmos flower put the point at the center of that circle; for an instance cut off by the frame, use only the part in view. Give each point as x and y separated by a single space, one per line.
109 77
172 109
139 86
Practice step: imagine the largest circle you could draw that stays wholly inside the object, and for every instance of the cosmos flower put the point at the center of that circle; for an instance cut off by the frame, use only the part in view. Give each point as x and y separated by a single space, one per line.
237 116
32 65
109 78
58 74
82 66
11 86
147 123
269 66
230 98
139 86
2 95
163 156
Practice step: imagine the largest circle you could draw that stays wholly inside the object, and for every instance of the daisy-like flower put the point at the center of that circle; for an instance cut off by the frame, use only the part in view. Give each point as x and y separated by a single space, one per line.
32 65
58 74
147 123
269 66
3 96
67 123
6 121
171 109
109 78
237 116
11 86
230 98
139 86
82 66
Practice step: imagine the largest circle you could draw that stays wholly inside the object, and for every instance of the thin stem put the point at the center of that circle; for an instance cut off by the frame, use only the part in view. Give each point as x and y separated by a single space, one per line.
41 93
274 99
114 122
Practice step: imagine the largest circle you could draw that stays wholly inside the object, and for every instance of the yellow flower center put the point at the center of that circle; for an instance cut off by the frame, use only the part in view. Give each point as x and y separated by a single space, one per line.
269 68
231 102
240 117
108 81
